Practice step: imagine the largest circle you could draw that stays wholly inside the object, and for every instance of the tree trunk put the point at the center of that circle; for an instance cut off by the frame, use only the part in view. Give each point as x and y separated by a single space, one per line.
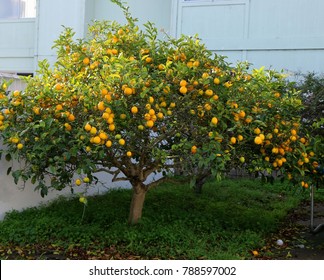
201 180
136 207
198 186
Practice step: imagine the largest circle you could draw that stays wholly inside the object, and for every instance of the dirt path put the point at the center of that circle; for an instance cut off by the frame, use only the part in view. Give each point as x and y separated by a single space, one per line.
298 241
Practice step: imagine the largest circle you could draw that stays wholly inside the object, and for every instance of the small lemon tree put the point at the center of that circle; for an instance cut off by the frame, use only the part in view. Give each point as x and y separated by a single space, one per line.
125 102
258 127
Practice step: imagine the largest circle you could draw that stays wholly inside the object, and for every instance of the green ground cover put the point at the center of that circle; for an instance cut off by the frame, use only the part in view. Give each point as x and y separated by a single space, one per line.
229 220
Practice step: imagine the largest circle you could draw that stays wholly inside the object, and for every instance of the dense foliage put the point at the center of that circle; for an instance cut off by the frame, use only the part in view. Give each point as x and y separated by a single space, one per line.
311 87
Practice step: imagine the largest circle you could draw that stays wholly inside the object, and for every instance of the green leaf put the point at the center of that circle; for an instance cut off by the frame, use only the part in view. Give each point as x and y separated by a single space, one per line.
261 123
42 124
8 157
16 175
33 180
44 191
192 182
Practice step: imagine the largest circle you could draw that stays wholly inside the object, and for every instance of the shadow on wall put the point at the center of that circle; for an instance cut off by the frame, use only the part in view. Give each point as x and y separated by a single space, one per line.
17 197
20 196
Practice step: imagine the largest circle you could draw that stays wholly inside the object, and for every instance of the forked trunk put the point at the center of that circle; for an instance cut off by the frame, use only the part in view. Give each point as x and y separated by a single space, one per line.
136 207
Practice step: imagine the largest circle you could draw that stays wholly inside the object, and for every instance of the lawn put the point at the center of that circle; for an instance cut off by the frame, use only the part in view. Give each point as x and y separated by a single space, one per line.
229 220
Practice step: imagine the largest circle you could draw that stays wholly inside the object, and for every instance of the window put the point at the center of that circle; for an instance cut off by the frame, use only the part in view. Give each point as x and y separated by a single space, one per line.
16 9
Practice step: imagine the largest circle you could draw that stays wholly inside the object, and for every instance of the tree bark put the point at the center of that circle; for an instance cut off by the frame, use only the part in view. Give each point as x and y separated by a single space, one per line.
199 185
201 180
137 203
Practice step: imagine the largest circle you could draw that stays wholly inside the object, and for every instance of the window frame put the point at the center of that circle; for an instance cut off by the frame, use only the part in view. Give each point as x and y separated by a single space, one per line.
16 11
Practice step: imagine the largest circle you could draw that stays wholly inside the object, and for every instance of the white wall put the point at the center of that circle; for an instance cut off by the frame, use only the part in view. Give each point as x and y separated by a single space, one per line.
16 82
16 196
157 11
20 196
17 45
27 41
51 17
279 34
78 14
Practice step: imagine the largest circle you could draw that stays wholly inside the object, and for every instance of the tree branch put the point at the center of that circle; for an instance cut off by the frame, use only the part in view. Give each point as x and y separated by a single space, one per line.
157 182
119 179
163 137
115 173
102 169
163 180
150 169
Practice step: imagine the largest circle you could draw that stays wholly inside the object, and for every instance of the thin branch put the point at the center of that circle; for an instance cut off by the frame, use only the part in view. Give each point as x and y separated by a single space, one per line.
119 179
157 182
115 173
102 169
150 169
163 137
163 180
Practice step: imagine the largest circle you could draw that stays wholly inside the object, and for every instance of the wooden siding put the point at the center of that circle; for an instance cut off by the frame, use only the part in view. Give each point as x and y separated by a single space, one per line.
279 34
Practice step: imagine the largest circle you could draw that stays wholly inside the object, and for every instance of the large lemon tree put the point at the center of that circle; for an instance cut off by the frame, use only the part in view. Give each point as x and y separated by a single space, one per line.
124 102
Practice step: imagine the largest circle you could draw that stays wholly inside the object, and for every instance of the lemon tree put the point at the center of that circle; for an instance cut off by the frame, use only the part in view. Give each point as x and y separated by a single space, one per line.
239 124
119 101
124 102
260 129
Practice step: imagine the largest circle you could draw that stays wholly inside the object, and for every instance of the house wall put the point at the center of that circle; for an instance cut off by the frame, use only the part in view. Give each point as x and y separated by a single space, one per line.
51 17
278 34
157 11
17 45
28 41
23 195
